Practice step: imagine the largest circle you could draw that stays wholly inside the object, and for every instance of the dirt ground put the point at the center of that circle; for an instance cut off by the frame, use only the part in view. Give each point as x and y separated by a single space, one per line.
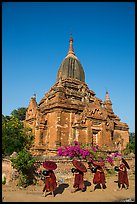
12 193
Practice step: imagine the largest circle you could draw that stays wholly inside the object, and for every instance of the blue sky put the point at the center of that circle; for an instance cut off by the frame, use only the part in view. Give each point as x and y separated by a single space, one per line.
35 40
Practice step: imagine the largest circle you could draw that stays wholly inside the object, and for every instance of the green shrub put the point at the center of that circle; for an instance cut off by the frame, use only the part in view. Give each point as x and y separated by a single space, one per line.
24 163
130 148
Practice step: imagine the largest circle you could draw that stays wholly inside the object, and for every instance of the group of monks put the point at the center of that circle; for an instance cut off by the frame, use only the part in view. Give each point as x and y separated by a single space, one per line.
78 172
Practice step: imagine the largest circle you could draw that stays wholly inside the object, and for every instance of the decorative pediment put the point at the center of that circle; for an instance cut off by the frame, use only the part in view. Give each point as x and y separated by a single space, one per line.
96 112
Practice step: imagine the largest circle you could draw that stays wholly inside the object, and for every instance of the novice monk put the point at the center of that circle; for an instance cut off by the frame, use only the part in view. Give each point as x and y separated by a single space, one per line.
79 175
78 181
122 176
50 178
99 176
50 183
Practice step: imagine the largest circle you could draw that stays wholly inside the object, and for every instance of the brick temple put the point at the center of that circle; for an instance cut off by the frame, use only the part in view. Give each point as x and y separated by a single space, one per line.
70 111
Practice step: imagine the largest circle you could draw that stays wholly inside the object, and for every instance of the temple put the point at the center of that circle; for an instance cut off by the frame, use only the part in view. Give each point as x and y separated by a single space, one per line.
70 111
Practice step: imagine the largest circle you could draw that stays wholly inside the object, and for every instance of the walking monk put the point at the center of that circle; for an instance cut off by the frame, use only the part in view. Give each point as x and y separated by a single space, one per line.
122 175
50 178
79 176
99 176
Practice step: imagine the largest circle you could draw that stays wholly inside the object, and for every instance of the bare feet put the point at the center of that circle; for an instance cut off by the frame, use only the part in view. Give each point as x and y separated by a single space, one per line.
43 195
119 189
73 190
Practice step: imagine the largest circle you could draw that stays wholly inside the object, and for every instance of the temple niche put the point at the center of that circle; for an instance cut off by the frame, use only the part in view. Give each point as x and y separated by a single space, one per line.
70 111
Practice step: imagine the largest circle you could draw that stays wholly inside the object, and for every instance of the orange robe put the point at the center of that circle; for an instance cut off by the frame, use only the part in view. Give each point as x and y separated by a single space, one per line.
50 182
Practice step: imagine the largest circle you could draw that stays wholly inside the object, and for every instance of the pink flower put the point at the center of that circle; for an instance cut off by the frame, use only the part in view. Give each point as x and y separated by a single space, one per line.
94 149
109 159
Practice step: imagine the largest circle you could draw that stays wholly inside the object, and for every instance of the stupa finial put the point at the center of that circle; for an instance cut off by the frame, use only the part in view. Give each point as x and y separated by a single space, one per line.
71 51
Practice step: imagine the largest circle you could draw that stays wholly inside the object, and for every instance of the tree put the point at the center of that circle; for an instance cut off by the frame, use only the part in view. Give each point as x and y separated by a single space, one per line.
131 136
130 148
14 136
19 139
20 113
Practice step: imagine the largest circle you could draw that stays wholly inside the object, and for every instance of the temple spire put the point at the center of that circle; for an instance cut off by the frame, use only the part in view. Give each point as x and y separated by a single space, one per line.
107 103
71 51
107 96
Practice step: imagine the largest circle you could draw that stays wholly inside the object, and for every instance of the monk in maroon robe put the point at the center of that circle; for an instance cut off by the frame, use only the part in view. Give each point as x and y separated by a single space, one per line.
99 177
122 176
78 181
50 182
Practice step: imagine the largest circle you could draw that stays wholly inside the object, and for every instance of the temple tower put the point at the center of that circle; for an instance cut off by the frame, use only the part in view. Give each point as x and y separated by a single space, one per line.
70 111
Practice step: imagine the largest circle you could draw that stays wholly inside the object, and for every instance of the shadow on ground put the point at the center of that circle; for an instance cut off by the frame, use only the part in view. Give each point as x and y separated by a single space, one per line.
98 186
60 188
87 183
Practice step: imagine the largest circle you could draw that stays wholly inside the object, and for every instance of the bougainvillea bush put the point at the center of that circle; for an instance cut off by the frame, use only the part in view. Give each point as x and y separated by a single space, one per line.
87 152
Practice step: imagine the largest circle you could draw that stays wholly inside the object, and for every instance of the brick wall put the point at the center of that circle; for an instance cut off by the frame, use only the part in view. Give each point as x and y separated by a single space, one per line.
63 170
